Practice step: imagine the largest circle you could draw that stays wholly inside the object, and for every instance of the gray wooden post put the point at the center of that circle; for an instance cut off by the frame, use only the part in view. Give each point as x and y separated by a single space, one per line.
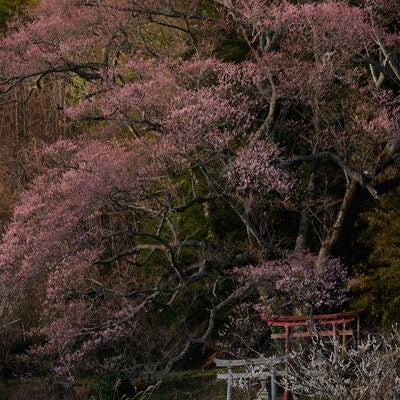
274 395
263 392
229 382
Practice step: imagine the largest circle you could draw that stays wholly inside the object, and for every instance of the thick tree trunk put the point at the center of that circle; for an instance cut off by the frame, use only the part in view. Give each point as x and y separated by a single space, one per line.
334 234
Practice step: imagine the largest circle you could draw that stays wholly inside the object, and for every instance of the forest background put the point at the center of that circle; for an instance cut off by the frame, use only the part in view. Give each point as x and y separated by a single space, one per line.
169 169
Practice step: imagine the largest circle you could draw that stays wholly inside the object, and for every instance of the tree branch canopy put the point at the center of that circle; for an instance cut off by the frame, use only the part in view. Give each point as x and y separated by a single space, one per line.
176 159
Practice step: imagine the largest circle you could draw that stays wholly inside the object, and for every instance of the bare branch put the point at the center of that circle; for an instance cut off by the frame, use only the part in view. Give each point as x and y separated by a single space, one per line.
240 212
87 71
359 176
207 334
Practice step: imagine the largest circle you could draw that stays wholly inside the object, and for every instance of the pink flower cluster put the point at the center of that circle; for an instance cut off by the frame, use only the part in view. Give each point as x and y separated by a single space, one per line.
298 280
253 169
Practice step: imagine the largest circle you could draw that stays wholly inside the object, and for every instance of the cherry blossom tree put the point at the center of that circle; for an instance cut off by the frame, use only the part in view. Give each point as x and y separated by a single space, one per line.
303 127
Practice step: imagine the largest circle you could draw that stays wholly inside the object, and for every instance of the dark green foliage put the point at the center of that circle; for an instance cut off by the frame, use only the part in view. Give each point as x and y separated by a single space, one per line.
378 272
8 8
233 48
225 224
110 386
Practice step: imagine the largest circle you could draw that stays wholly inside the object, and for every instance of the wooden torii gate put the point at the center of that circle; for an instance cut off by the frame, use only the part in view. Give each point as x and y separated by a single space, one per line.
334 325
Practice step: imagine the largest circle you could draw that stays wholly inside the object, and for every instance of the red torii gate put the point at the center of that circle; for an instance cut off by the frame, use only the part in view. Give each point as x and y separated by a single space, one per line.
320 326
